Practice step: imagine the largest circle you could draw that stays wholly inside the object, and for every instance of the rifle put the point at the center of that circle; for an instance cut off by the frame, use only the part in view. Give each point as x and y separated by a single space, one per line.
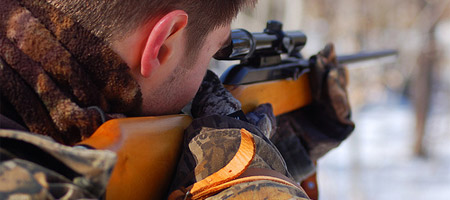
272 70
264 76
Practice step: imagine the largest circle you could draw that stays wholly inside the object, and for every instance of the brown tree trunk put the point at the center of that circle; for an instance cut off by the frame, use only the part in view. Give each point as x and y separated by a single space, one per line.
423 85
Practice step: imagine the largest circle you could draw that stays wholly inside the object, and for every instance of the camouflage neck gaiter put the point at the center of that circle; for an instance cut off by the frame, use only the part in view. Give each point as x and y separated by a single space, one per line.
58 77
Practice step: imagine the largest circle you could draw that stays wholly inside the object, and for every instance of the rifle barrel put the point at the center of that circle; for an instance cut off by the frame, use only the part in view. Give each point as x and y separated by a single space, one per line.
247 74
345 59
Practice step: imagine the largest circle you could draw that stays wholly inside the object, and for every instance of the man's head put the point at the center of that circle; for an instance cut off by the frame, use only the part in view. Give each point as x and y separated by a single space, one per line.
166 43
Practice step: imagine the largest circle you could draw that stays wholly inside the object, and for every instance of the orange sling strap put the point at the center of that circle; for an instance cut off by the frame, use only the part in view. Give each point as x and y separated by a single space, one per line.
233 173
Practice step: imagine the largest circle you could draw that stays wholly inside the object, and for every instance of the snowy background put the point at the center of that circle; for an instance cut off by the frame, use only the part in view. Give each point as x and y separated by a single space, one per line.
377 161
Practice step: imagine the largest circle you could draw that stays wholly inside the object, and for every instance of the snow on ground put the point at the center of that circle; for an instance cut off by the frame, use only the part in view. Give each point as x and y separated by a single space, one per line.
377 162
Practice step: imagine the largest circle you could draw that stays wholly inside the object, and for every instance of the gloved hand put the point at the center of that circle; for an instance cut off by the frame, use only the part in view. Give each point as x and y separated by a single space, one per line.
264 119
213 99
328 81
306 134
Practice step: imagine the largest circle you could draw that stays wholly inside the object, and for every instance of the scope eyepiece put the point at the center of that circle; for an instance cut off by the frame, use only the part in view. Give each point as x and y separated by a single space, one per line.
241 47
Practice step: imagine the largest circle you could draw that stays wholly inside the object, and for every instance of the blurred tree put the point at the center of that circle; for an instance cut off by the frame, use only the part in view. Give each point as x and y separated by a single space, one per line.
432 13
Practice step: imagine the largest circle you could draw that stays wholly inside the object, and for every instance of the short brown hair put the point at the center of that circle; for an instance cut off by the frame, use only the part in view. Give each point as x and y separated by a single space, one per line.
112 19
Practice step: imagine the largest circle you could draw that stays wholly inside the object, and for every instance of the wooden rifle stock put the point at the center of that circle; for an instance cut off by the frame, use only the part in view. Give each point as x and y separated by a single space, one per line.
148 149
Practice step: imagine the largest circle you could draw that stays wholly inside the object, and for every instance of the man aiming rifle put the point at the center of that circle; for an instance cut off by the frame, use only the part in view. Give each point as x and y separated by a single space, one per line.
66 67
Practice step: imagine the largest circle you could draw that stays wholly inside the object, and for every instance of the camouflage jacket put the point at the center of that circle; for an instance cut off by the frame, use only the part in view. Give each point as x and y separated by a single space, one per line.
36 167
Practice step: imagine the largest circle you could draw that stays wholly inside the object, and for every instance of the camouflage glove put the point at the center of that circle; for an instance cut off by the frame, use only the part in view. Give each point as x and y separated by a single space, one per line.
328 83
213 99
264 119
306 134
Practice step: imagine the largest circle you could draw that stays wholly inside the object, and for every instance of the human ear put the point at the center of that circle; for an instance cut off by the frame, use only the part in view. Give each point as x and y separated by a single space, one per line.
159 46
